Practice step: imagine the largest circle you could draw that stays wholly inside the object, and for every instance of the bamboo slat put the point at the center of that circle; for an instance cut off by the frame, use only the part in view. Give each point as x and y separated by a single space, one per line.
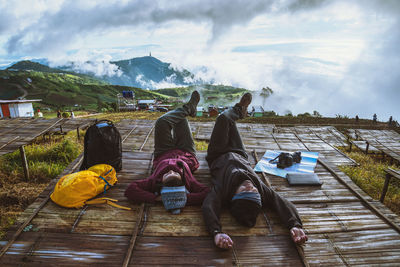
342 230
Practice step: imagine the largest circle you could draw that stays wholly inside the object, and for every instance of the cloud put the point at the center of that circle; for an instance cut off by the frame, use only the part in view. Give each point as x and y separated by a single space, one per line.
5 20
49 29
168 82
98 68
333 56
71 20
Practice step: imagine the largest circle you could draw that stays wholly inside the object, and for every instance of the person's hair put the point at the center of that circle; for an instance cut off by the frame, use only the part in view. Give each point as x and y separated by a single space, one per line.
172 181
245 211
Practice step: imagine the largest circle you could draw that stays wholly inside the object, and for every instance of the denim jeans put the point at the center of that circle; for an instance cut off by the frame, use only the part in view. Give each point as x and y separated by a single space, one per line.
172 131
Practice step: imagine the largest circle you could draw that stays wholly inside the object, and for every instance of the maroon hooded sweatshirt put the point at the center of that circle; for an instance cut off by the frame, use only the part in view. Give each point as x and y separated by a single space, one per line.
145 190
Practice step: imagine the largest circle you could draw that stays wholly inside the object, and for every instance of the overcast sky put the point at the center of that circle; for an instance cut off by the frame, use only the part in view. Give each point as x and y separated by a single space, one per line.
333 56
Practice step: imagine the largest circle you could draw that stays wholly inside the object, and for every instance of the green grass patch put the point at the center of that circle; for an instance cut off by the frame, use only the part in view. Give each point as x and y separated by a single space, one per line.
7 219
370 176
46 160
201 145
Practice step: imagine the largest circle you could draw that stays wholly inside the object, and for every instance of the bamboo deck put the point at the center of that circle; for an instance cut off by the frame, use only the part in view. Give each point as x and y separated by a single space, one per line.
342 229
386 141
22 131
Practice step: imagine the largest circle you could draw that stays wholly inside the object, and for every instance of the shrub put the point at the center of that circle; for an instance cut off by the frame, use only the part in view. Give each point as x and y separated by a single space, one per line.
304 115
269 114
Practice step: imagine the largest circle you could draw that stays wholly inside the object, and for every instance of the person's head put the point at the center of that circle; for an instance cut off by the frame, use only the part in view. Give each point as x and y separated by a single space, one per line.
173 192
246 204
172 178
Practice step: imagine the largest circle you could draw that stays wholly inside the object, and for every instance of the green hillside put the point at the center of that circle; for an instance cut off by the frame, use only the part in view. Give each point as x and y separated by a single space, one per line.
63 89
210 94
33 66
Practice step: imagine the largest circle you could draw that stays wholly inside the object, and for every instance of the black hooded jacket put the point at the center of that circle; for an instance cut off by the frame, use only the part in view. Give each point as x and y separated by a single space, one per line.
229 171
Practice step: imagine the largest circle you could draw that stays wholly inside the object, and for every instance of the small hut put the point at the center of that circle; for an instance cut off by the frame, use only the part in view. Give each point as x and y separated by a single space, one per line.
17 108
199 111
258 111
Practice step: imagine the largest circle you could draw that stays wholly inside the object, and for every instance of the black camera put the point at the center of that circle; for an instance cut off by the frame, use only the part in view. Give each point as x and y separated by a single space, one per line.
287 159
296 156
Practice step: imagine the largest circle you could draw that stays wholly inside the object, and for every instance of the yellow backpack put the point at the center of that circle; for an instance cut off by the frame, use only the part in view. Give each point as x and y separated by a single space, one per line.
73 190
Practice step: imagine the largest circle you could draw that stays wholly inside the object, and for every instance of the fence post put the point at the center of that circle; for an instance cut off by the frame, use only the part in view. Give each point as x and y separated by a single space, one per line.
24 162
385 187
77 133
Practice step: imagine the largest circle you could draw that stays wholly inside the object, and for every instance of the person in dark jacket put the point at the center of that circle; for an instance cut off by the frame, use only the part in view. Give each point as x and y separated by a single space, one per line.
174 162
236 185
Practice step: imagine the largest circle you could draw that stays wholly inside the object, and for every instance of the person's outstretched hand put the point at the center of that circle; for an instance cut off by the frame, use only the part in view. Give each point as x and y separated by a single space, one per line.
298 235
222 240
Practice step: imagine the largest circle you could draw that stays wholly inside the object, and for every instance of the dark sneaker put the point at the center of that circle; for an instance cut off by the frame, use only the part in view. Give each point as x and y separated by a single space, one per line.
191 106
244 104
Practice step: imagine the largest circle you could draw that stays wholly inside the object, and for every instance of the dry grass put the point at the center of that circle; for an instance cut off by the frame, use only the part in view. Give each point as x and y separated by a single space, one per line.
137 115
370 176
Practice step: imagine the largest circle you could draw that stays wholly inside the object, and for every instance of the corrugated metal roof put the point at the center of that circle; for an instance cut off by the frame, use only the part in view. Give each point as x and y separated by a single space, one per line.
19 101
146 101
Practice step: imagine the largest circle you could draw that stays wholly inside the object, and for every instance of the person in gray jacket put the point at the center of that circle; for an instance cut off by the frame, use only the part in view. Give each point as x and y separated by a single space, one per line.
235 184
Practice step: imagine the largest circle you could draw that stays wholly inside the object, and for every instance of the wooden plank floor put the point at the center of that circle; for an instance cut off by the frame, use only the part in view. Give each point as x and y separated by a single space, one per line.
386 141
67 125
342 230
22 131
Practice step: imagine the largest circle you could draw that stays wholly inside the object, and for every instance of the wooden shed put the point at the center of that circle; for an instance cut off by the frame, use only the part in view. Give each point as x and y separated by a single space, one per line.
17 108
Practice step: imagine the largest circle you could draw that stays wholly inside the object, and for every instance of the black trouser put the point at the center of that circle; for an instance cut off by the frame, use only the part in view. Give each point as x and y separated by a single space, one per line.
172 131
225 136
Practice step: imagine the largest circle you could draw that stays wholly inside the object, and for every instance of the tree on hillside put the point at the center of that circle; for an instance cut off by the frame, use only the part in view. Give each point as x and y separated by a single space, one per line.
316 114
265 93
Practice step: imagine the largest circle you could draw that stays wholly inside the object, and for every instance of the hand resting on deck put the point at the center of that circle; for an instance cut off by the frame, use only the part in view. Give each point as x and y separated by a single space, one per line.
298 235
222 240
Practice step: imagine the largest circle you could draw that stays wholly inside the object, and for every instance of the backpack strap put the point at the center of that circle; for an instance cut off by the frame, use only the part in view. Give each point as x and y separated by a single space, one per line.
106 200
105 186
273 160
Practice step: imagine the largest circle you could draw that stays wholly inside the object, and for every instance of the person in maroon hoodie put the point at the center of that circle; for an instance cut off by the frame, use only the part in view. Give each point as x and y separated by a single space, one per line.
174 159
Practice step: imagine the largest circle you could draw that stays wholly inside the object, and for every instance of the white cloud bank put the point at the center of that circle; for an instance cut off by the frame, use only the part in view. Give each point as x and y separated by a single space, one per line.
334 56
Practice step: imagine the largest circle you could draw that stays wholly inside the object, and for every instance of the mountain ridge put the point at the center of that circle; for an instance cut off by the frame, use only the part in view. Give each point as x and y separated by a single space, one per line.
145 72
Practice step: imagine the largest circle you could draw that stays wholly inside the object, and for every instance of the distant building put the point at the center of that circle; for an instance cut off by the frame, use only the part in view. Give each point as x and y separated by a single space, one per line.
17 108
199 111
212 111
126 101
145 104
258 111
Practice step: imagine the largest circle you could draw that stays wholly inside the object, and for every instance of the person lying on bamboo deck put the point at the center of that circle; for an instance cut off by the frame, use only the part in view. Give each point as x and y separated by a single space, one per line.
172 180
236 185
